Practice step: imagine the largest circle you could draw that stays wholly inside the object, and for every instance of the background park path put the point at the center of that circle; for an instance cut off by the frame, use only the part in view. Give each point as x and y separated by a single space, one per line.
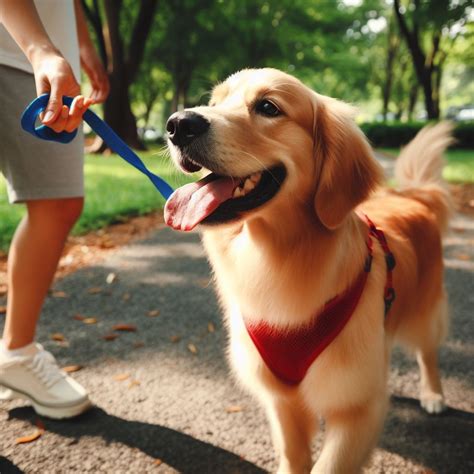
164 399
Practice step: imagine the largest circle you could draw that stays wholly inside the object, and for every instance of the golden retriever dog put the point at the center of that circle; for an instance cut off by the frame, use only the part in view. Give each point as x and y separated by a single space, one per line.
303 279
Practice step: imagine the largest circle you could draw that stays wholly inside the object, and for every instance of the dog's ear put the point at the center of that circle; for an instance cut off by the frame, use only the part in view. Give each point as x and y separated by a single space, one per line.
348 172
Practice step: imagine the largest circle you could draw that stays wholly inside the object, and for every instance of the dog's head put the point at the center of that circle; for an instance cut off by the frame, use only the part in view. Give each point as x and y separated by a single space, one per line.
268 141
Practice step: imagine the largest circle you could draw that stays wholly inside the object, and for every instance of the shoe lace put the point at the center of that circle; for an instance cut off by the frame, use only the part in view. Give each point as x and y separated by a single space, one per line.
44 365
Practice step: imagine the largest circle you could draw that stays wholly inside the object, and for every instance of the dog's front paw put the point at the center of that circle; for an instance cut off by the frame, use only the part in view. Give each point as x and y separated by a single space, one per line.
433 403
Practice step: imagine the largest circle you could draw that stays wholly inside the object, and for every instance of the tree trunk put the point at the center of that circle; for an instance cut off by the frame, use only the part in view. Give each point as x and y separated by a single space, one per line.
118 113
413 97
430 105
117 110
122 65
423 70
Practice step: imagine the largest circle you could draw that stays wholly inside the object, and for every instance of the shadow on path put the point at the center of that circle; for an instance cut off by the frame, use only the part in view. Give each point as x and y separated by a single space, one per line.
184 453
7 467
442 442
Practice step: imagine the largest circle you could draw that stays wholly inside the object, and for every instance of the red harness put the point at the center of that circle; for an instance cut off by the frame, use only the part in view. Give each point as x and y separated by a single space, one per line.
290 353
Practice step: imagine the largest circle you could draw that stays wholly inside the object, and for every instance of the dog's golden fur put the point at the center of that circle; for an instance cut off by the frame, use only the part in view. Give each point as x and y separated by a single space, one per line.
283 261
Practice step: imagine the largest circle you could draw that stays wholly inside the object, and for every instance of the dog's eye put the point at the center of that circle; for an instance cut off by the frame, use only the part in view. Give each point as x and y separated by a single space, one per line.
265 107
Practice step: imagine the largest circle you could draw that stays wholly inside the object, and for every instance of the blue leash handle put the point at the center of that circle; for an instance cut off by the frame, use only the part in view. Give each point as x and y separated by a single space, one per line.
28 120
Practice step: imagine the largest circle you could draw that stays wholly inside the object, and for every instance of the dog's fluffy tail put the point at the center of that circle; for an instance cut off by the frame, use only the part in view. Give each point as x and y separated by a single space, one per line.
419 167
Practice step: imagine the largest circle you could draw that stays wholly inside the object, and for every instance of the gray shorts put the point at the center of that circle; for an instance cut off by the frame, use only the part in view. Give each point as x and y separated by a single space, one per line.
34 168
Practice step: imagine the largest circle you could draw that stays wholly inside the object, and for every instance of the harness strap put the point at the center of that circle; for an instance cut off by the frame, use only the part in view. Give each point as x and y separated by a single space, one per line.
389 290
289 352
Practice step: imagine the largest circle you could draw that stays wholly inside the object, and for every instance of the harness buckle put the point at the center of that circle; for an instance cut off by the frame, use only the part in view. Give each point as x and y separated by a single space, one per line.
390 261
368 263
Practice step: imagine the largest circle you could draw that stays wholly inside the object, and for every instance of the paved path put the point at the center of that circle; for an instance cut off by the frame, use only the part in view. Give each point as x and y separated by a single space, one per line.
182 408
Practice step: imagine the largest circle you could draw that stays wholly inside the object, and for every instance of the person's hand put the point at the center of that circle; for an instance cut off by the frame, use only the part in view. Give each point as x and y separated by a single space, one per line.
54 75
94 69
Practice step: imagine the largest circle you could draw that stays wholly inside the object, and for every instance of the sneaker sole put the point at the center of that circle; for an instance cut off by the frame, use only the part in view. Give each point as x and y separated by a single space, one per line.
57 413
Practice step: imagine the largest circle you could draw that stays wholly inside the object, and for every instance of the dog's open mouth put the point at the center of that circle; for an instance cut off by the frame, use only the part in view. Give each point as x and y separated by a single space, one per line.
217 199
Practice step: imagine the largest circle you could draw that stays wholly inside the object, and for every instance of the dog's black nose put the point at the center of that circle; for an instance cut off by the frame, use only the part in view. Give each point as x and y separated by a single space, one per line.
184 127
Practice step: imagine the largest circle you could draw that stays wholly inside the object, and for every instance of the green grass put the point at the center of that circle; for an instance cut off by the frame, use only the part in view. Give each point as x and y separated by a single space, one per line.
113 189
459 164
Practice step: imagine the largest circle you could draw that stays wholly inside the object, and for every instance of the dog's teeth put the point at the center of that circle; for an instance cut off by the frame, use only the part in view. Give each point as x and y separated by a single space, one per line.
255 178
238 192
248 185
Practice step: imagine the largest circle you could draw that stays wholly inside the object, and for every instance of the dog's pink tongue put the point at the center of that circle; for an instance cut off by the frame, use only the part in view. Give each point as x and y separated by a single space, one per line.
192 203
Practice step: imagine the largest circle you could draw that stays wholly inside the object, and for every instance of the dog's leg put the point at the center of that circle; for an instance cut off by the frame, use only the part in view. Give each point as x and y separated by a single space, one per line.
293 429
431 392
350 437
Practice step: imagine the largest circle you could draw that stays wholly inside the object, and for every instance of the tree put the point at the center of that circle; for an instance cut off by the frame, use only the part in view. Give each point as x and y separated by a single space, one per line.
123 60
428 28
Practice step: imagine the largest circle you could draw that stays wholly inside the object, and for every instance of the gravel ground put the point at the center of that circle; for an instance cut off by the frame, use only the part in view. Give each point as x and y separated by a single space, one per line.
164 400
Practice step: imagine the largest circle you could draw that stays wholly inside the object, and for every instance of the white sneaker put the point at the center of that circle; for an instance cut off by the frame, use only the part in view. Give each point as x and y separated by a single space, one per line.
33 374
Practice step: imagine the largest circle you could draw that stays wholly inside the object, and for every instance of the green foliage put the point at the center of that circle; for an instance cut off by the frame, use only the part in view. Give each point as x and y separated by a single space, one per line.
395 134
338 48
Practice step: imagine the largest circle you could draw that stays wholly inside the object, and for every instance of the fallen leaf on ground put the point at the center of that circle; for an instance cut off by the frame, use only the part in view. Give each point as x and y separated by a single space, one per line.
192 348
94 290
3 309
69 369
106 243
110 337
79 317
121 377
33 436
111 277
59 294
57 336
133 383
124 327
89 321
126 296
234 409
203 282
175 338
153 313
158 462
211 327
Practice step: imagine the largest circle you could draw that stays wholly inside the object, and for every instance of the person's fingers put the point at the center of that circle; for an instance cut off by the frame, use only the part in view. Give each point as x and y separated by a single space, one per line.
101 95
100 86
75 115
104 88
59 124
76 106
93 96
54 107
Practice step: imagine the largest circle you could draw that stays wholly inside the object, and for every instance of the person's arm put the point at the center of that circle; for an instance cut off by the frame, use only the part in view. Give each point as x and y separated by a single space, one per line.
53 74
90 60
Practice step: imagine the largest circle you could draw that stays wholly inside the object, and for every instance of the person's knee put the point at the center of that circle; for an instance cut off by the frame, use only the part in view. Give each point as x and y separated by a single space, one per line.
71 210
56 212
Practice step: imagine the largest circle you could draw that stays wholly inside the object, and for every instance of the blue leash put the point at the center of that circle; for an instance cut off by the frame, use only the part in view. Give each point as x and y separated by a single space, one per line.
28 120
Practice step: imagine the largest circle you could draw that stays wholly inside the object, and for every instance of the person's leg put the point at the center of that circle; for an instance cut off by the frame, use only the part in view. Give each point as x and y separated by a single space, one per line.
33 258
48 177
